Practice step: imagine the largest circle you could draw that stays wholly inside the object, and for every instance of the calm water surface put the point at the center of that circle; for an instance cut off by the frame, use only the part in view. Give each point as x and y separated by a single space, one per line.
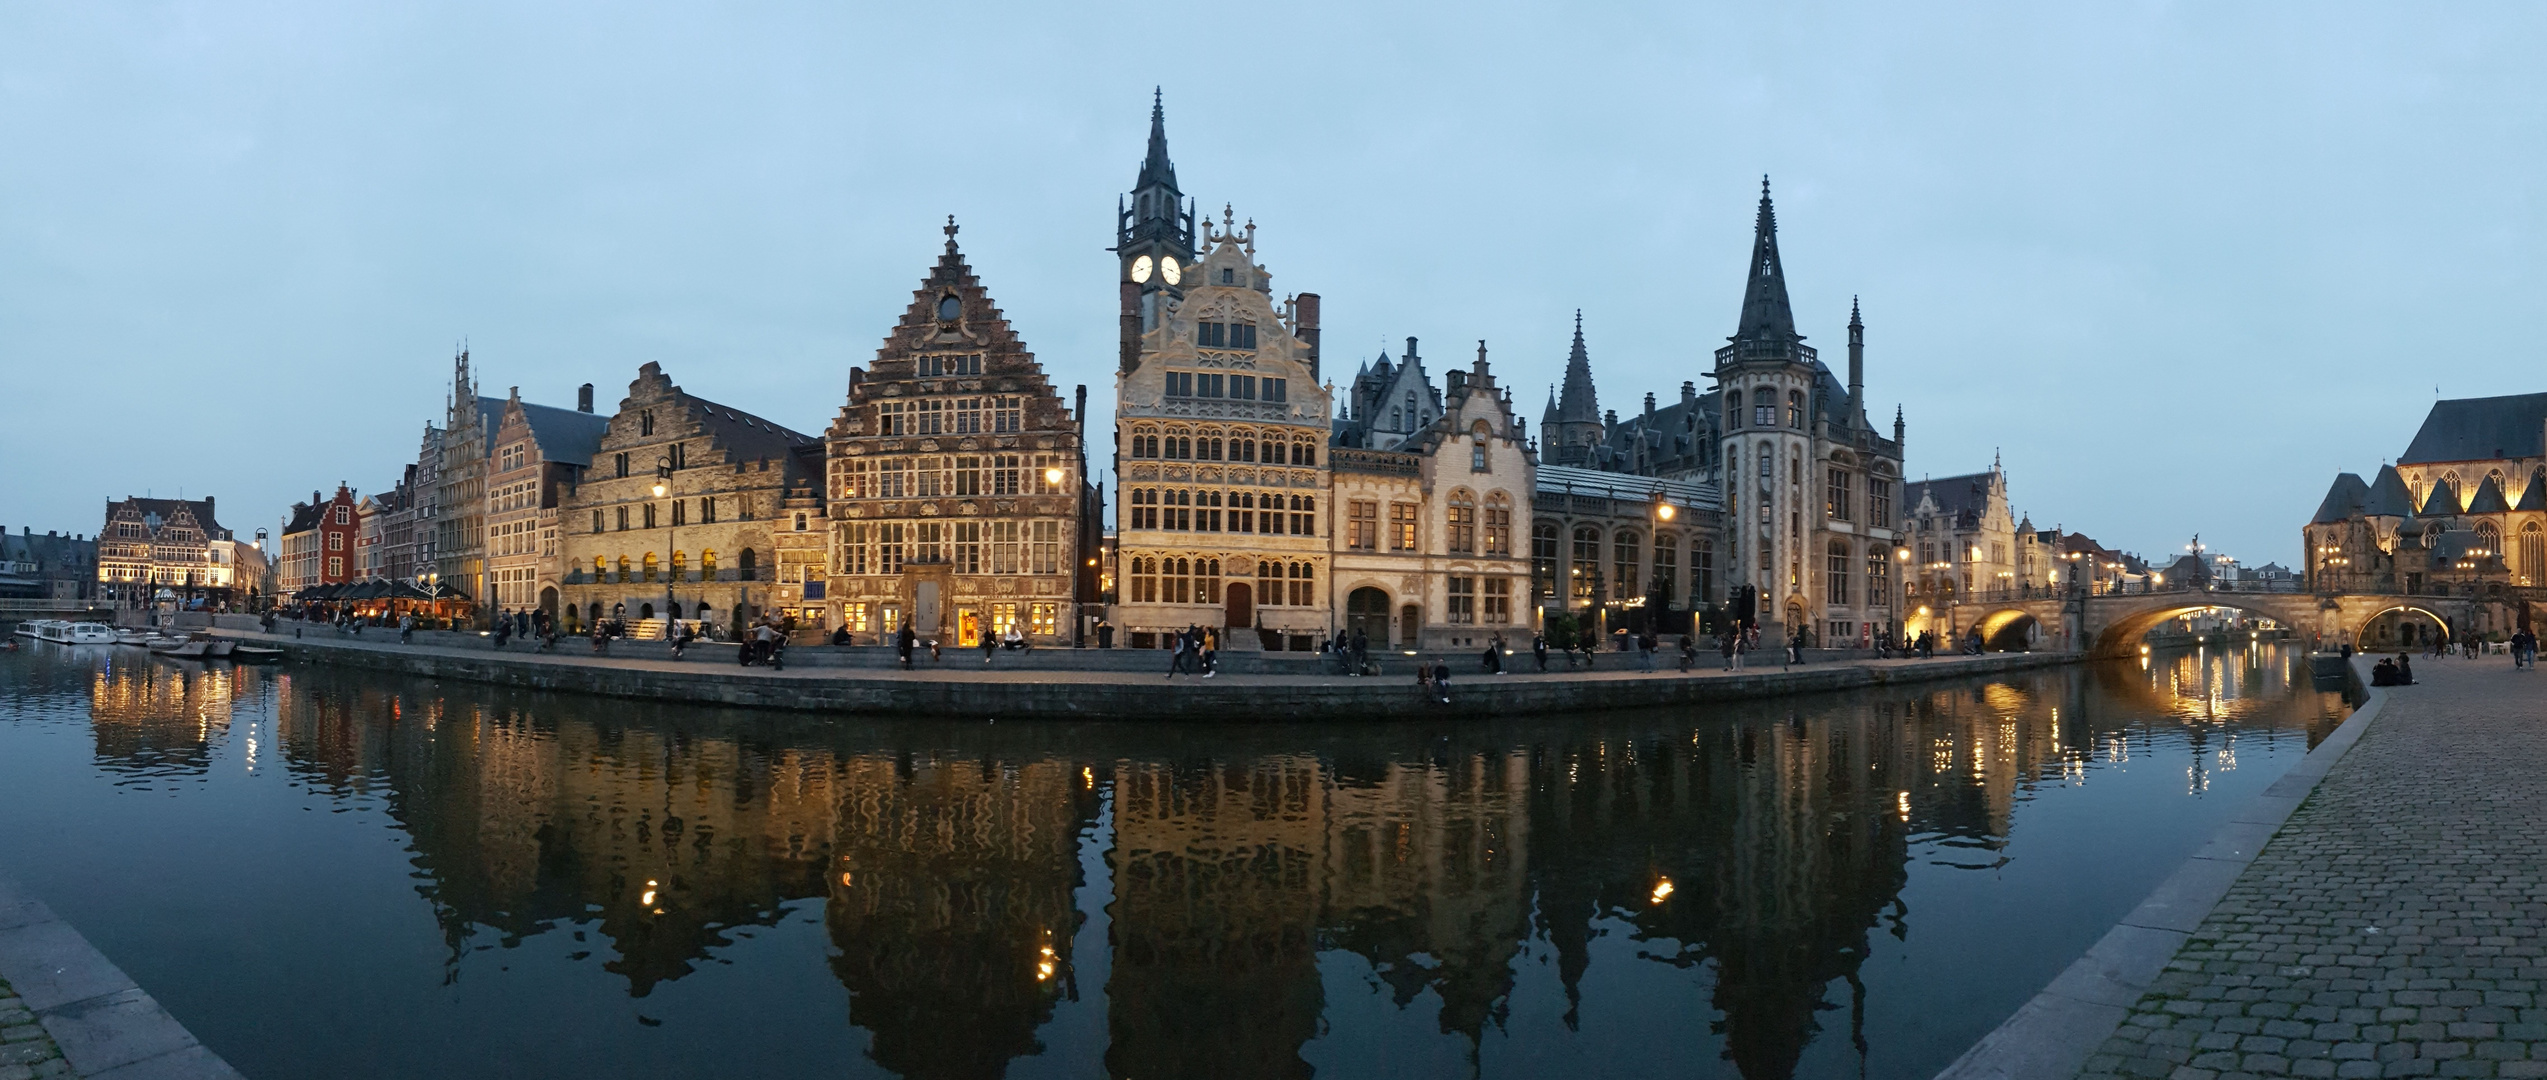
329 873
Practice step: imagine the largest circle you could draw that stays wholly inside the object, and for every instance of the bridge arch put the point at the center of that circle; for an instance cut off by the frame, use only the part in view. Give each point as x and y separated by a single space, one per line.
2361 626
2118 632
2011 630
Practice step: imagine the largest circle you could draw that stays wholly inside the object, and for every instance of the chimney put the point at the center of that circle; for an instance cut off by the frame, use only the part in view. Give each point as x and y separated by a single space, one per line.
1689 393
584 398
1409 358
1307 306
1082 412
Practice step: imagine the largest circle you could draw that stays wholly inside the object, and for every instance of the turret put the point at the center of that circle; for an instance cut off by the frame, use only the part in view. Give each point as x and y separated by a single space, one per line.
1856 366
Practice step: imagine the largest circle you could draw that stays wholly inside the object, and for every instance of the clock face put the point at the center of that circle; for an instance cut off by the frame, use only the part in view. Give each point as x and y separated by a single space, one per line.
1169 270
1141 269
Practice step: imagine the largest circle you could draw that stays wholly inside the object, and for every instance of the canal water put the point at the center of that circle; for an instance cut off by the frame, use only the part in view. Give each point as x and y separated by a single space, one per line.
329 873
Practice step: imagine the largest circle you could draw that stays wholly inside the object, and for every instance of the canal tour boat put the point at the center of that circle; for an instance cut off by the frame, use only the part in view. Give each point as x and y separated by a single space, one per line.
68 633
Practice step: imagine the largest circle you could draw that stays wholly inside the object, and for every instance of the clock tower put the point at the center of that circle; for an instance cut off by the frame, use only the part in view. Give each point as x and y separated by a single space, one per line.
1153 240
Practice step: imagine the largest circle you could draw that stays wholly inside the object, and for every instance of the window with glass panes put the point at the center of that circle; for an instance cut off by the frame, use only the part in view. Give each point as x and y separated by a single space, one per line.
1363 525
1463 599
1401 526
1498 601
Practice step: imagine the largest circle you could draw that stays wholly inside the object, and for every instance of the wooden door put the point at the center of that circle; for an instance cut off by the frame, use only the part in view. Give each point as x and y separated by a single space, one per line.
1240 601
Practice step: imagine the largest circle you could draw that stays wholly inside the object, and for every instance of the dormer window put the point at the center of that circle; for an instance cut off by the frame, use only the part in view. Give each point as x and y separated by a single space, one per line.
1228 276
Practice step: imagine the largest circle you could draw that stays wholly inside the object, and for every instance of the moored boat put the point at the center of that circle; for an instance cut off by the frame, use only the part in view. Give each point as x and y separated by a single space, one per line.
89 633
254 654
132 637
182 649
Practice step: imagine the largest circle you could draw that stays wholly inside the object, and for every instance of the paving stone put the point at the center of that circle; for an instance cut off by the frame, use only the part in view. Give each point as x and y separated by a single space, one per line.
2396 924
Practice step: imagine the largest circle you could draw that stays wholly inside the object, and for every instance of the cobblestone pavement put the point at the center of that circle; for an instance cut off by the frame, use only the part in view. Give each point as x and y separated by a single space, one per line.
25 1051
2396 926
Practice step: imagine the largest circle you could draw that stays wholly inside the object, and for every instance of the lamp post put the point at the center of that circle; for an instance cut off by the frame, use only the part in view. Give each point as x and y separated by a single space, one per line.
1899 626
671 565
1664 512
1052 486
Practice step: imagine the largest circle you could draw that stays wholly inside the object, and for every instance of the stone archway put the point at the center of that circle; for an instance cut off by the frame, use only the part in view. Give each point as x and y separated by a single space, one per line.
1366 613
2361 630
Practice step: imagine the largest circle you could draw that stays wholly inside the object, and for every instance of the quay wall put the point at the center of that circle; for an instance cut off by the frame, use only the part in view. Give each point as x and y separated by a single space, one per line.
1112 696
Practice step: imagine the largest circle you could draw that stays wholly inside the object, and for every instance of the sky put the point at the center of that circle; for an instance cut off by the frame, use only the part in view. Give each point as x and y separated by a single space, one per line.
2175 264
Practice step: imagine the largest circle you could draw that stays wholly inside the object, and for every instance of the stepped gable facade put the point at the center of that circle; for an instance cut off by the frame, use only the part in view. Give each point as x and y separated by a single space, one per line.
957 491
538 453
702 548
150 544
2463 510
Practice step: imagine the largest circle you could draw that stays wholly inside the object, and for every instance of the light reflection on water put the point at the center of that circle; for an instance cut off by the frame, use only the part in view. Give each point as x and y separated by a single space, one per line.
392 878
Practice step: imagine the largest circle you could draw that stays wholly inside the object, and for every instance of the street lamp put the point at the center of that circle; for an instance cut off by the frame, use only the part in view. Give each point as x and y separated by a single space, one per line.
671 566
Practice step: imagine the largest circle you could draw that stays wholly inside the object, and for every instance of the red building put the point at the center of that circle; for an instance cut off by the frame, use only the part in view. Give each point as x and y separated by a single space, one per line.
319 542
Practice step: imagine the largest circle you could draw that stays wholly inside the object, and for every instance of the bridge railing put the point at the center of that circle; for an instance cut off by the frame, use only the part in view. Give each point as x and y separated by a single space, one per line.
2141 588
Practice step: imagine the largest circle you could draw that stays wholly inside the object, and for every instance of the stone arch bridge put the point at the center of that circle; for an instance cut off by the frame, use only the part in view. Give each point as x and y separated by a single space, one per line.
2111 624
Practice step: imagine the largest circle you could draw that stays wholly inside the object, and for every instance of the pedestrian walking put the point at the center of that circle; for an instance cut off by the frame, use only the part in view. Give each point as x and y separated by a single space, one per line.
1175 654
1441 681
407 629
1725 644
2524 650
1361 651
503 631
903 641
1539 651
1211 653
990 648
1688 652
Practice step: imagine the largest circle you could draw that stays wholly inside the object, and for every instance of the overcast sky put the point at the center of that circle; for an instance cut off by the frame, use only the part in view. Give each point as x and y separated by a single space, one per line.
2178 263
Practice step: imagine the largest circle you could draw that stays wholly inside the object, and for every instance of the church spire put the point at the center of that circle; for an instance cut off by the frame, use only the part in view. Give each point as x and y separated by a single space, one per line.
1156 168
1579 403
1765 314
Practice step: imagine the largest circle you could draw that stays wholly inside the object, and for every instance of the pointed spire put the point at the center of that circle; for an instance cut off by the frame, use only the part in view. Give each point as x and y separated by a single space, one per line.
1854 323
1579 403
1765 314
1156 168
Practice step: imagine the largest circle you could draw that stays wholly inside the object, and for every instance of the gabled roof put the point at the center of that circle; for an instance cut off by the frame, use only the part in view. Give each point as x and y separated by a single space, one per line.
2388 495
2442 502
2481 429
304 517
160 511
565 435
2343 500
1956 496
2489 499
2533 497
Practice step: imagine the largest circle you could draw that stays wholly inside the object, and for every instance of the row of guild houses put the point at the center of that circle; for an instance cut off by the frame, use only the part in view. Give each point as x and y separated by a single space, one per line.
952 492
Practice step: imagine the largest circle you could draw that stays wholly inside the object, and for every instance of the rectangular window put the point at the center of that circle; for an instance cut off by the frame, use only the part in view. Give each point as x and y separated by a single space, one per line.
1211 335
1463 600
1835 495
1046 555
623 519
931 476
854 556
707 510
1879 503
1702 571
932 416
892 418
968 547
1304 515
1498 528
1242 335
1207 384
1275 390
1835 574
968 476
597 521
1842 631
1461 527
856 617
680 511
1180 384
1046 468
1010 415
1242 387
1498 601
896 479
1667 566
929 543
1004 474
1005 555
968 416
1401 526
650 516
1879 579
1363 530
1044 619
890 547
335 567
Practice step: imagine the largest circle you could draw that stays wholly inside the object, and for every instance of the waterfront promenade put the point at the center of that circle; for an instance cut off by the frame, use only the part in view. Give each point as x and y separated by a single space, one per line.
962 687
2397 923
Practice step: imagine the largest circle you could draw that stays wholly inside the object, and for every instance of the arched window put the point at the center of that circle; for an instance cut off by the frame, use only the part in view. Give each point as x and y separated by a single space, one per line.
1666 584
1764 408
2489 538
1498 524
751 560
1477 436
1625 552
1585 566
2533 554
1462 524
1545 543
1795 408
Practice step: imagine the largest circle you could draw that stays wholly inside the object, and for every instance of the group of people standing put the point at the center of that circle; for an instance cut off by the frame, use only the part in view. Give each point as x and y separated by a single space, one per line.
1193 650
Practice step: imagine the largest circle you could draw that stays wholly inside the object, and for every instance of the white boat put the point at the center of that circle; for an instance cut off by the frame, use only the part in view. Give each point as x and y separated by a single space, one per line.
35 628
132 637
91 633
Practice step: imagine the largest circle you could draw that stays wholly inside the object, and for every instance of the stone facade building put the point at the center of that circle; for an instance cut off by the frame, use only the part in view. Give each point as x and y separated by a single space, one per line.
52 567
459 527
957 488
153 544
1962 540
1430 492
2462 512
539 453
1221 430
700 549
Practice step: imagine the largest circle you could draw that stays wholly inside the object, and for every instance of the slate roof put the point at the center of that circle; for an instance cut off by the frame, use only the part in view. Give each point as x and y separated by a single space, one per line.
2533 497
2346 498
158 511
2481 429
2489 499
565 435
52 551
2388 495
1961 498
1766 315
2443 502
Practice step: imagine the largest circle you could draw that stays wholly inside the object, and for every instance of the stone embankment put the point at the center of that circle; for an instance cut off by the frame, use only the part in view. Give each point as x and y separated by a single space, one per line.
1074 684
67 1011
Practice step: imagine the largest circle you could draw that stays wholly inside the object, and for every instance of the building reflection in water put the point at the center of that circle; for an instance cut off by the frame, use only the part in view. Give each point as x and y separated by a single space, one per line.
162 718
1756 848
